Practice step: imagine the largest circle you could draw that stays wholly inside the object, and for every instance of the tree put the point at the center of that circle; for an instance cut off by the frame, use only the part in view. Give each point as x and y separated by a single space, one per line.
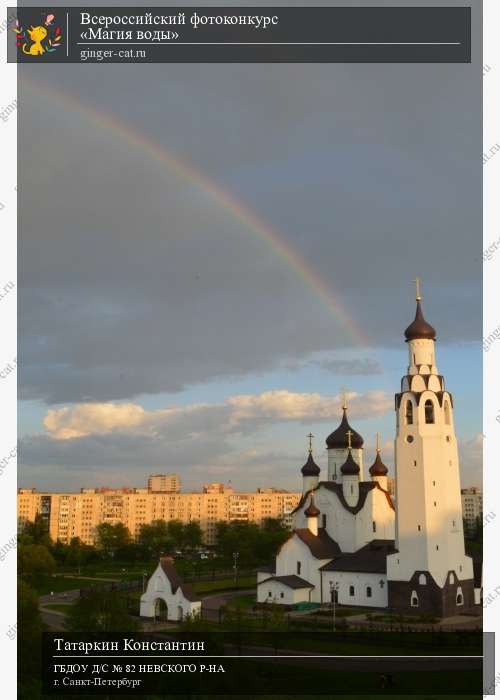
35 560
29 643
111 538
192 534
175 529
155 538
78 553
98 613
36 532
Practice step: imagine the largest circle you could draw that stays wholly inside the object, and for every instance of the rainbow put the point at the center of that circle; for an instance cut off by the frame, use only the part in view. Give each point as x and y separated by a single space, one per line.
228 202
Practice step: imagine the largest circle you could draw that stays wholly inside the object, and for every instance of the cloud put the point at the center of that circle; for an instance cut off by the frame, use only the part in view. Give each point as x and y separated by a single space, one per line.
134 280
242 414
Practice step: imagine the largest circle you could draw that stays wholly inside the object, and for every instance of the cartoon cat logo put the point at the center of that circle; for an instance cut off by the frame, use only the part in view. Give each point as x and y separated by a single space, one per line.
40 39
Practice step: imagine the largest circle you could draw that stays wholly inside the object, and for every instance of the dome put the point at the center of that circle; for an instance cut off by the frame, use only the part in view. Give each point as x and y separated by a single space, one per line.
338 439
350 467
419 328
378 468
310 468
311 511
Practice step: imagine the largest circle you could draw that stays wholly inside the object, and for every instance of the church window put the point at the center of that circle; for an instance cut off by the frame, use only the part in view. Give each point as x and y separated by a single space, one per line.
323 518
422 579
448 438
374 526
447 413
282 595
460 567
437 548
460 597
409 438
419 527
409 413
453 522
368 591
299 566
414 462
452 578
351 590
429 411
269 595
435 504
352 489
414 599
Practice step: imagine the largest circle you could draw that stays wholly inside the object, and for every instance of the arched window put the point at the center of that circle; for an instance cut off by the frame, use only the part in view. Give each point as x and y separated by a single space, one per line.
422 579
452 578
351 590
409 413
368 591
429 411
447 418
414 599
299 566
323 518
460 597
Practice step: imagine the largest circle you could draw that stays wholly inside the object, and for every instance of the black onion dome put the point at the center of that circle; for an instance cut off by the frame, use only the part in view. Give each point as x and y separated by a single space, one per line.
378 468
312 511
310 468
339 440
419 328
350 467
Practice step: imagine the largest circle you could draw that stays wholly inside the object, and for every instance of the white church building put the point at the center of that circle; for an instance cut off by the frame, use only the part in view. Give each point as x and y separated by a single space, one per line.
167 597
351 541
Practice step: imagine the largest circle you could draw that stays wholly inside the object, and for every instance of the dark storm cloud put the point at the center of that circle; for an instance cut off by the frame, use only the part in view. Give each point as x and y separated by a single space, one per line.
134 281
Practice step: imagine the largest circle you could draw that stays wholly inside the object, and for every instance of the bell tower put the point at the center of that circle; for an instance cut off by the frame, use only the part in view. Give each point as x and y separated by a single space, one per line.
430 572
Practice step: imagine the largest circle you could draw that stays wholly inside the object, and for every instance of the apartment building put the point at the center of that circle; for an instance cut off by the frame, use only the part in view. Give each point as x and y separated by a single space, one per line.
164 483
78 514
472 505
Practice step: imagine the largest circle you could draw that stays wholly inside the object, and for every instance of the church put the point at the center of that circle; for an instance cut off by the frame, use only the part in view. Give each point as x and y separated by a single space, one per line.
352 542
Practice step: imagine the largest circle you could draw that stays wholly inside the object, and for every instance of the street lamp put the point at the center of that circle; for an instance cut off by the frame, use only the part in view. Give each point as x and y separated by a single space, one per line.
235 565
334 587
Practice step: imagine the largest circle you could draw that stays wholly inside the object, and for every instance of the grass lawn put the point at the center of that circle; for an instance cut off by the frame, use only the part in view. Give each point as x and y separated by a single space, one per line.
244 601
45 584
343 612
226 584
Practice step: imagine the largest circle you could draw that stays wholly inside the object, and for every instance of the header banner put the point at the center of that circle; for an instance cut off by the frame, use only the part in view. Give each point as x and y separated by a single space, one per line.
239 35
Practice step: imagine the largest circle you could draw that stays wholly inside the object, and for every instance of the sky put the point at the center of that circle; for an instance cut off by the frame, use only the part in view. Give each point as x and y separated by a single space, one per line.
208 254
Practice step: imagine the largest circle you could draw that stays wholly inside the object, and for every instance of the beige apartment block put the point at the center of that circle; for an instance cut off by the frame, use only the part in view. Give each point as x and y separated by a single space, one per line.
78 514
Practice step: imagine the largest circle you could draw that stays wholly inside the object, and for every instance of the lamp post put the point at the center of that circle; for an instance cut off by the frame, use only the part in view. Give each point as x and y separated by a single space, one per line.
235 565
334 587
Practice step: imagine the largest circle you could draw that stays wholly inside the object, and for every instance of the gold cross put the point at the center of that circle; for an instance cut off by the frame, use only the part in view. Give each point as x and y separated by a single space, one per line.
349 434
310 436
378 442
418 295
344 398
